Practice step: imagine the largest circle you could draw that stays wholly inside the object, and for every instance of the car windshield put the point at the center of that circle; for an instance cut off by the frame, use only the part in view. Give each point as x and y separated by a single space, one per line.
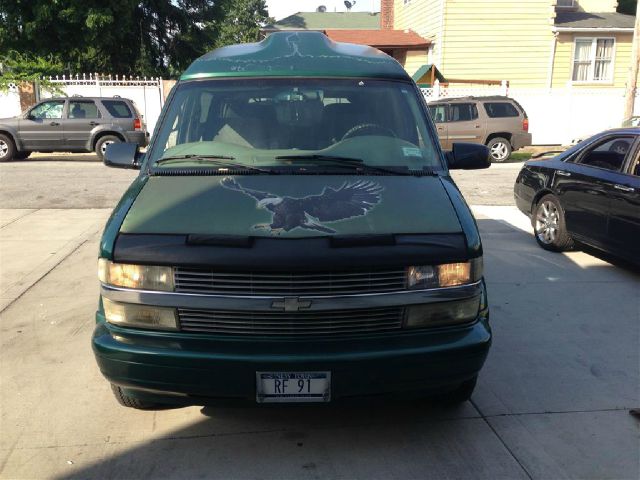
270 123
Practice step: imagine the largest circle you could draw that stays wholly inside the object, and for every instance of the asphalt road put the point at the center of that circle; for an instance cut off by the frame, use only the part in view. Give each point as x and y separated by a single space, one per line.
81 181
552 400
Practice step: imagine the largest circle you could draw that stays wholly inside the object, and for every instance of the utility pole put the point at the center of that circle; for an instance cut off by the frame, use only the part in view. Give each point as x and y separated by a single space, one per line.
632 81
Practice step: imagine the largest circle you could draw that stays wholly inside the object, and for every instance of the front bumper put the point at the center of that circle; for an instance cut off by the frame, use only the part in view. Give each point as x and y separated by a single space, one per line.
192 369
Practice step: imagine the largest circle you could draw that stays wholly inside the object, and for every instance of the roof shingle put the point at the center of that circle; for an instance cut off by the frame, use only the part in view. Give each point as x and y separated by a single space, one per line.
594 20
322 20
380 38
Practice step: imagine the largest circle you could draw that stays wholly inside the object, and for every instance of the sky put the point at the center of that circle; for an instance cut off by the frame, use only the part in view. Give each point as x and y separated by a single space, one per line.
283 8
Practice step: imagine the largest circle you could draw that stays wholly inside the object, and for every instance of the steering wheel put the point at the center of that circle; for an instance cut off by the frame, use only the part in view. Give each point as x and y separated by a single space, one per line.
619 146
366 129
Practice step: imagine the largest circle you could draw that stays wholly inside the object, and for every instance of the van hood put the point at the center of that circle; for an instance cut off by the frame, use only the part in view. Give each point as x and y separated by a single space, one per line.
284 206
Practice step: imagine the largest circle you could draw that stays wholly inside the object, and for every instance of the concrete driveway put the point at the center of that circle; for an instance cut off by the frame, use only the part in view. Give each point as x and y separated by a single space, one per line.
552 401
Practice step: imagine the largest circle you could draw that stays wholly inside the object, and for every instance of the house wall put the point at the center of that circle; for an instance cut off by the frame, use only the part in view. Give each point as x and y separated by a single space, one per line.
498 40
598 5
423 17
414 60
563 63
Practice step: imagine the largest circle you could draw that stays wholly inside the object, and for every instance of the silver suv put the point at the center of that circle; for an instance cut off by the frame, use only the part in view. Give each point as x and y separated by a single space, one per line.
498 122
72 124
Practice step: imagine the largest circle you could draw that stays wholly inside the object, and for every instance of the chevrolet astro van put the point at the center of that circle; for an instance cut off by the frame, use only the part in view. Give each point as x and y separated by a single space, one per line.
293 236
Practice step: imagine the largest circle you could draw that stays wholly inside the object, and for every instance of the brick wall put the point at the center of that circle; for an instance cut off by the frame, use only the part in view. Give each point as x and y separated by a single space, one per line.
386 14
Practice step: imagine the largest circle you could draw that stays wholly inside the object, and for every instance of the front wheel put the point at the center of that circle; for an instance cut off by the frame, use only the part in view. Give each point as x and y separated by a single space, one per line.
7 149
129 401
459 395
103 143
500 149
549 225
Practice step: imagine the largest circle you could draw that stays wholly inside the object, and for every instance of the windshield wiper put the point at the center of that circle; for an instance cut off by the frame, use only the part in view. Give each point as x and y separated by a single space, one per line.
347 162
219 161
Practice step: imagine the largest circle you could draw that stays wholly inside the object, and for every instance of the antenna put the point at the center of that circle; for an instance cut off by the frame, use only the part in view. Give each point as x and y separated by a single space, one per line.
349 4
321 9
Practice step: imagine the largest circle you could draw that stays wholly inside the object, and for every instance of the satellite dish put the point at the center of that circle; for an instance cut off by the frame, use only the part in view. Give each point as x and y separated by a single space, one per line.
321 9
349 4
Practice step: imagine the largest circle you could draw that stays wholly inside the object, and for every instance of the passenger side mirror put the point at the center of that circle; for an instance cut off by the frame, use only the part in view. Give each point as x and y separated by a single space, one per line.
123 155
468 156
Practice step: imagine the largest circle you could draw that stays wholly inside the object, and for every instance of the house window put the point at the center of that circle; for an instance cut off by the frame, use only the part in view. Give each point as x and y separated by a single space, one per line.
593 60
566 3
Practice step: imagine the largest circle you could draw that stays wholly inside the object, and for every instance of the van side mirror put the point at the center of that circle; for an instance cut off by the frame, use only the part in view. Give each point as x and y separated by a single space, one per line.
123 155
468 156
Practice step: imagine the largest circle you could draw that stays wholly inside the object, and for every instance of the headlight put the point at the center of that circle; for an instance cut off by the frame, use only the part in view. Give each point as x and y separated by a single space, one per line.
445 275
442 313
139 316
143 277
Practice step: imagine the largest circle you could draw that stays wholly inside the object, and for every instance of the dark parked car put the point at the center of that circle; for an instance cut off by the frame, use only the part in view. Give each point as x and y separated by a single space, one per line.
73 124
588 194
498 122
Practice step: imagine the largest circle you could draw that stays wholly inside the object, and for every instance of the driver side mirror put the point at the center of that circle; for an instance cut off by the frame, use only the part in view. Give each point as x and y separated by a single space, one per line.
468 156
123 155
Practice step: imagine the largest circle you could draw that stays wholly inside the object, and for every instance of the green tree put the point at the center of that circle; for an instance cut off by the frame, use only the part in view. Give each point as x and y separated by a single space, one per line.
241 21
130 37
139 37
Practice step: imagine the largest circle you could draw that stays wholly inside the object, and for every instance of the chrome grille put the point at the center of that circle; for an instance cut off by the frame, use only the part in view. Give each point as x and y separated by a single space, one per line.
332 322
288 283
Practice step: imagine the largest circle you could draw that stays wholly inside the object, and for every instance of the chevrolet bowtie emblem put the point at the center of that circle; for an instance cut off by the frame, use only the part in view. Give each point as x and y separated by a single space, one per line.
291 304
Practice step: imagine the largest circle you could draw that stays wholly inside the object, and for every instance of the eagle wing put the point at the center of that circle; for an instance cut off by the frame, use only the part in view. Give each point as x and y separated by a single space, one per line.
351 199
231 184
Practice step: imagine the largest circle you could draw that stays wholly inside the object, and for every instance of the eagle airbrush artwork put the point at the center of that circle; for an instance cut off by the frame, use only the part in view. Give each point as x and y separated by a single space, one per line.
351 199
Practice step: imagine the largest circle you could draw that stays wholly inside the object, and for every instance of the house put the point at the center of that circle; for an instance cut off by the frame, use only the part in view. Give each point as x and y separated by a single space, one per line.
363 28
532 43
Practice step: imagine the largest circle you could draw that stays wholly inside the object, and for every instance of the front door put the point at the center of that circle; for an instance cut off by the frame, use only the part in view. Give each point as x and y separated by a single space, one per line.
624 209
584 188
82 117
42 128
463 124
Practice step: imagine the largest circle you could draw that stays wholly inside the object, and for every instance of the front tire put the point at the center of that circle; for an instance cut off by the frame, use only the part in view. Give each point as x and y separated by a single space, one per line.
129 401
549 225
103 143
7 148
500 149
459 395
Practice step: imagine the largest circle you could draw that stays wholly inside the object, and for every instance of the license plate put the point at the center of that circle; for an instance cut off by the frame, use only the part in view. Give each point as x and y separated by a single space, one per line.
293 387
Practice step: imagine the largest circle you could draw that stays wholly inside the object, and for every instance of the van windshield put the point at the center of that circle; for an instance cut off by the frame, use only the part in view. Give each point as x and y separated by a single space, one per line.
270 123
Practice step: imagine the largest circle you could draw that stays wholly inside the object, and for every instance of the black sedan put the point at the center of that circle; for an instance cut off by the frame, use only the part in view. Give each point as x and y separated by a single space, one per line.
588 194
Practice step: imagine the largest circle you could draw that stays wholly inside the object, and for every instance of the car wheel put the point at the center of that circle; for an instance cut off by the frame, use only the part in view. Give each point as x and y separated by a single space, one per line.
129 401
459 395
7 149
21 155
103 143
500 149
549 226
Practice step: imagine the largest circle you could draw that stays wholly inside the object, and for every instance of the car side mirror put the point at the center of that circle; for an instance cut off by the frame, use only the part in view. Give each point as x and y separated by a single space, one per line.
123 155
468 156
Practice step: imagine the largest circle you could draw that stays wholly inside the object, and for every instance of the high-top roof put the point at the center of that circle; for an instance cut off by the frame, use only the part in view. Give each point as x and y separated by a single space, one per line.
296 54
323 20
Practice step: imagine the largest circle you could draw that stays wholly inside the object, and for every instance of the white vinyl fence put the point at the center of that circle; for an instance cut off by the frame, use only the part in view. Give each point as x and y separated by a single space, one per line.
145 93
10 102
556 116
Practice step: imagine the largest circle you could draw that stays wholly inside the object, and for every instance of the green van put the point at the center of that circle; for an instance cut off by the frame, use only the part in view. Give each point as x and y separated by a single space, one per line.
293 236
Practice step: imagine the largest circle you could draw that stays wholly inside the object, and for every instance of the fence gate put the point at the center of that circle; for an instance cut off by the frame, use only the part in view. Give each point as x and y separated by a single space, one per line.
146 93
